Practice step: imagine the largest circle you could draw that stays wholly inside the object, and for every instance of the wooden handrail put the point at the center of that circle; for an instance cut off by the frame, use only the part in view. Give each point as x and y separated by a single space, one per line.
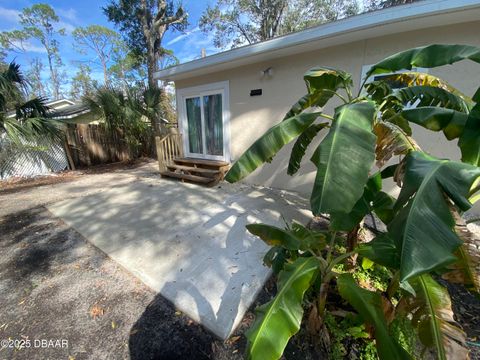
168 147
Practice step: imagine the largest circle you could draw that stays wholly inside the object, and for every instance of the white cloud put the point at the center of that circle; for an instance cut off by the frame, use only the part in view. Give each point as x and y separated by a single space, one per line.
182 36
29 47
68 19
65 25
10 15
69 14
191 47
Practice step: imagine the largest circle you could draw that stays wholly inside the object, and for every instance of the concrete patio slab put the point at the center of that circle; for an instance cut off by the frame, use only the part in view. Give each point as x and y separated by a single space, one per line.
187 242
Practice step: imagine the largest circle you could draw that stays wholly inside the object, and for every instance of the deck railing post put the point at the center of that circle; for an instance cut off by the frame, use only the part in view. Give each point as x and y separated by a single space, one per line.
160 154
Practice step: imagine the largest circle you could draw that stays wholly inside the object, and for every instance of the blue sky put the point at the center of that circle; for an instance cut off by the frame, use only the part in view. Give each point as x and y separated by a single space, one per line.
186 46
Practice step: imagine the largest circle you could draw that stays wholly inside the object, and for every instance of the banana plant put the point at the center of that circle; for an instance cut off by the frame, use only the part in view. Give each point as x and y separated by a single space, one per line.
423 239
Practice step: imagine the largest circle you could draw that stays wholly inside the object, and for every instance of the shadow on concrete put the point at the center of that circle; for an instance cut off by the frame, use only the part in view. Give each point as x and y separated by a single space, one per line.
185 241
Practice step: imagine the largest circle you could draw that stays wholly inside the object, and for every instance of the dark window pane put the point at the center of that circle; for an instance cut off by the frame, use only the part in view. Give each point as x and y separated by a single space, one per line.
212 106
194 118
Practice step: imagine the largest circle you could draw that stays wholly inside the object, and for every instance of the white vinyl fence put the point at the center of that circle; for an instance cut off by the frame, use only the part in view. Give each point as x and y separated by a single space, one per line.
30 159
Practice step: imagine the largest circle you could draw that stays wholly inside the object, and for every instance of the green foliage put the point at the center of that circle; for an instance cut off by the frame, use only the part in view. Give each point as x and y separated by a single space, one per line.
434 318
127 114
100 40
40 22
426 57
300 146
393 293
20 119
82 83
423 222
143 25
236 22
269 145
403 331
349 329
280 319
369 305
376 277
343 159
322 84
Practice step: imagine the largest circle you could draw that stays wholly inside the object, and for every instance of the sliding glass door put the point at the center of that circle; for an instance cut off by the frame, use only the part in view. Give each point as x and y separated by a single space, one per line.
204 124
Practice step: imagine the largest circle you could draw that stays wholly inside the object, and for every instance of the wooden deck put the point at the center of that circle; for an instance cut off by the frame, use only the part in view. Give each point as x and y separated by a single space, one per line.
205 172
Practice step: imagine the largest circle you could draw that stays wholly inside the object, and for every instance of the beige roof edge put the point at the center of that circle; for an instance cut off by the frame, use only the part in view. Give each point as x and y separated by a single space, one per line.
424 14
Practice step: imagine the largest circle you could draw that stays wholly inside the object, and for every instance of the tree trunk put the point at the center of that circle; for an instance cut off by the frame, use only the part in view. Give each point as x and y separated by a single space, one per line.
151 68
53 78
105 73
352 242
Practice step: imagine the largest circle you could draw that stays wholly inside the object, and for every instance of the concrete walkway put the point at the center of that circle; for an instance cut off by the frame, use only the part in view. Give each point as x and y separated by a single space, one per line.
187 242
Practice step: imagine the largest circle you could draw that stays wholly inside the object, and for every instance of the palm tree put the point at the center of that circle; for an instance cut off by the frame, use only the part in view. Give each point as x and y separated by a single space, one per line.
23 120
126 113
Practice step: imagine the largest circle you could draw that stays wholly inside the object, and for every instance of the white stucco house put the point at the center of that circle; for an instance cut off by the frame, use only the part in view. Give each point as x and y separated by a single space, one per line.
233 97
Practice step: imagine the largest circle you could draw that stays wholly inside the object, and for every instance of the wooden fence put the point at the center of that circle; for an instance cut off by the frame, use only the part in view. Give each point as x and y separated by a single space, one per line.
92 144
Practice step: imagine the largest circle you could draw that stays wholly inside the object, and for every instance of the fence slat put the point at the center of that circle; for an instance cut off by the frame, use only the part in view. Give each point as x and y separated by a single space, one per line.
91 144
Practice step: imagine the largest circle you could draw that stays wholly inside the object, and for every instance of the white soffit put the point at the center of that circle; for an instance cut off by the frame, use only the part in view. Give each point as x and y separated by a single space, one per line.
421 15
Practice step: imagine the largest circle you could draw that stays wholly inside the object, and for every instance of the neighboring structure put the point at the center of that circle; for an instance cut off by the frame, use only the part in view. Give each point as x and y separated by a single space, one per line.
226 101
43 157
71 112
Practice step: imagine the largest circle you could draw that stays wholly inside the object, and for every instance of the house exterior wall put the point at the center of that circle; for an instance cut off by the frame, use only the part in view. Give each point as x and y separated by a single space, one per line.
252 116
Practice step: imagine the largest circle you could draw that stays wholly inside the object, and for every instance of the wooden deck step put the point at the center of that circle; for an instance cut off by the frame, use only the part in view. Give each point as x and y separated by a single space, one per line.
208 172
196 170
201 162
193 178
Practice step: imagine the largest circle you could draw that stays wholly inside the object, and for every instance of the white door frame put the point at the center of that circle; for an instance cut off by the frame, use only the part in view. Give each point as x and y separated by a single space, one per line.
199 91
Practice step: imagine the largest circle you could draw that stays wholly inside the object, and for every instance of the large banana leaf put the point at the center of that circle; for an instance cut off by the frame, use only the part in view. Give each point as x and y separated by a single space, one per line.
373 199
300 146
344 158
413 79
427 57
469 141
324 78
296 238
322 83
476 96
265 148
317 99
276 258
391 140
369 305
451 122
278 320
423 226
347 221
274 236
466 270
432 96
433 318
381 250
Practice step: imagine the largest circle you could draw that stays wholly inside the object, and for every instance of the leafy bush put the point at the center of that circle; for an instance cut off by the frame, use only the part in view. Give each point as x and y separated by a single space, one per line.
23 119
130 113
425 236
